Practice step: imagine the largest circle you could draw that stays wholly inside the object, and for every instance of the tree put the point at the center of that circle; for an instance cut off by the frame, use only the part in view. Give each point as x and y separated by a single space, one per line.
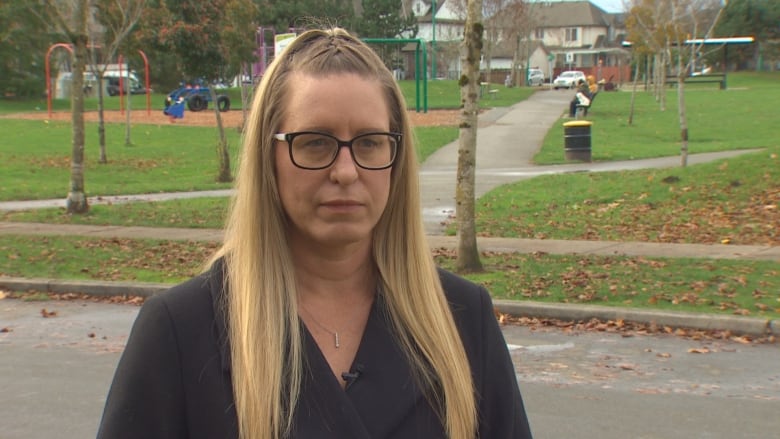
210 40
385 19
23 46
117 19
284 15
70 18
471 48
666 26
758 18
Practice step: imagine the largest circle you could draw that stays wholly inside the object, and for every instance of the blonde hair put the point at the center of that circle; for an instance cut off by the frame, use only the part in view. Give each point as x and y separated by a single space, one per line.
261 308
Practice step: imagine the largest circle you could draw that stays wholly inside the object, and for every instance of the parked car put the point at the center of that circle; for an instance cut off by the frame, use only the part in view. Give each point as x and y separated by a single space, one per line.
128 79
568 79
535 77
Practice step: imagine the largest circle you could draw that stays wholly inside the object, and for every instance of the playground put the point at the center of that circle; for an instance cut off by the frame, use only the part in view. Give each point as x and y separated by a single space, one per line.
231 119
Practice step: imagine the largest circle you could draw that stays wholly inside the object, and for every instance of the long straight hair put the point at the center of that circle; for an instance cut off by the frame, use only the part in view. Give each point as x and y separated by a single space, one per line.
260 306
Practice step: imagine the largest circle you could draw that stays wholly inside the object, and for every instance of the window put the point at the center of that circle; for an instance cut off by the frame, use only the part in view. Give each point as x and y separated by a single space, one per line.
571 34
539 33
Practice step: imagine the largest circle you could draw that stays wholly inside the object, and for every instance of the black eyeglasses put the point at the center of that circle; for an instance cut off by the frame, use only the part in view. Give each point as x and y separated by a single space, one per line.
313 150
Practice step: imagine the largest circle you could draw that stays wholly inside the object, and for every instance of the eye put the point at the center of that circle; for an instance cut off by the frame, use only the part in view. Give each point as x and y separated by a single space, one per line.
373 141
313 141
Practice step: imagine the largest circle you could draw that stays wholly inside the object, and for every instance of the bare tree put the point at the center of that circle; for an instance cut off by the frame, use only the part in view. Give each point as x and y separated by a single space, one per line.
115 20
468 255
667 27
70 19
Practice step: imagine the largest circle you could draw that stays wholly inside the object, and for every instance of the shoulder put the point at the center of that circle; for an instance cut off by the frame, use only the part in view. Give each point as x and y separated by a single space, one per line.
469 302
191 298
462 292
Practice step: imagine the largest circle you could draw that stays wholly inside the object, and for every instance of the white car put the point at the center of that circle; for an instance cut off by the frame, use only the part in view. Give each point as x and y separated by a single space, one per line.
535 77
568 79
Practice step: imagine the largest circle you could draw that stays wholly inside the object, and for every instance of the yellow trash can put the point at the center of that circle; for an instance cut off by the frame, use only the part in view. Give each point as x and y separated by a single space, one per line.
576 136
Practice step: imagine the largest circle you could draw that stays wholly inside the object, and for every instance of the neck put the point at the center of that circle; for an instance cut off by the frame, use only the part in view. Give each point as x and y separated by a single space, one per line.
345 273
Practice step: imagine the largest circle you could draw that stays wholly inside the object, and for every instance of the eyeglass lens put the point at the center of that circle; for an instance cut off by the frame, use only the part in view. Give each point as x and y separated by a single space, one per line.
318 150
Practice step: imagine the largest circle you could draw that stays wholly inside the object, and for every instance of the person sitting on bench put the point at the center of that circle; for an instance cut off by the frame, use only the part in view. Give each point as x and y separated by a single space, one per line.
581 98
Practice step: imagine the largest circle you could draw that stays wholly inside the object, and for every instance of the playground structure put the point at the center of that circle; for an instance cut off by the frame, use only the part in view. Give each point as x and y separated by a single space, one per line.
122 89
195 98
269 43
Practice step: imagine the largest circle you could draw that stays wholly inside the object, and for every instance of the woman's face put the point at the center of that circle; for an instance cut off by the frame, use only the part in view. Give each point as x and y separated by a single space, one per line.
341 204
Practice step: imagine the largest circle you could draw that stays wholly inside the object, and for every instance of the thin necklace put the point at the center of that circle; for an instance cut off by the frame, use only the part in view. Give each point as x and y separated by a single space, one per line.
334 333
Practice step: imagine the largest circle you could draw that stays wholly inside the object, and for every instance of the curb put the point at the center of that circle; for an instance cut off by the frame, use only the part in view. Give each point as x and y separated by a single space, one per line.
753 326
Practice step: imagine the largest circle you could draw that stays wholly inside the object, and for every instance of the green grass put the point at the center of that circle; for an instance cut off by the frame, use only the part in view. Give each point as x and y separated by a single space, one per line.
163 158
446 94
105 259
744 116
729 287
701 285
36 159
734 199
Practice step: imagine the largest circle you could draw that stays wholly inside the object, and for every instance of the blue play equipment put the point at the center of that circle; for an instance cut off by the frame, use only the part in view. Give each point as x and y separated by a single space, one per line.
195 97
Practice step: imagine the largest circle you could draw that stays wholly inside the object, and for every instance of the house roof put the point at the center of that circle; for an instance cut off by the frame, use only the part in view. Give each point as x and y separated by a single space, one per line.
568 14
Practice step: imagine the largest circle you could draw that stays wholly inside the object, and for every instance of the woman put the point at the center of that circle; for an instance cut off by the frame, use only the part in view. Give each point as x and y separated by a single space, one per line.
322 316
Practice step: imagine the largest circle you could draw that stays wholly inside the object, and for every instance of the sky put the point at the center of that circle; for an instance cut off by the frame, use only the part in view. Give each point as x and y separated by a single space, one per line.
609 5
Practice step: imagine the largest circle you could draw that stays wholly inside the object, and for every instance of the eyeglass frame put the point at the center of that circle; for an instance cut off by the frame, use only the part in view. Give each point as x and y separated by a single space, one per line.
289 137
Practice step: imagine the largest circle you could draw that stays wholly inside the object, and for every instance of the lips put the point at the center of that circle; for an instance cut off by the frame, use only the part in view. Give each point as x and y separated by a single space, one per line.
342 203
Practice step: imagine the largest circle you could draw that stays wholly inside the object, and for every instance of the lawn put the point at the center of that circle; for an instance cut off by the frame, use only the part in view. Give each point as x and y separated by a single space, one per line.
730 201
744 116
162 158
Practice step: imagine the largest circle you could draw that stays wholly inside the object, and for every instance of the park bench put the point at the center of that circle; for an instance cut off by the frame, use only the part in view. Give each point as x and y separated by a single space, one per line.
719 78
582 110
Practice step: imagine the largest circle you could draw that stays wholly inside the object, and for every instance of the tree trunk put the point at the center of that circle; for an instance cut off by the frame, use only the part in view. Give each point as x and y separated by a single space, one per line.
224 175
77 199
468 255
681 73
633 94
101 122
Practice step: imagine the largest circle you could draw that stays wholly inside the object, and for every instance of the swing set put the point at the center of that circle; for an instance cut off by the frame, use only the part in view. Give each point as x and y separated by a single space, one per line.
122 88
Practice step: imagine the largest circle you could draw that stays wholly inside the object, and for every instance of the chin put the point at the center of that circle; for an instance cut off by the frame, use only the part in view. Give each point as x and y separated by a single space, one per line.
341 235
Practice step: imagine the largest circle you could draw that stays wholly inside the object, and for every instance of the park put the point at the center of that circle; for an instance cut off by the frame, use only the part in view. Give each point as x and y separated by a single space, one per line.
643 371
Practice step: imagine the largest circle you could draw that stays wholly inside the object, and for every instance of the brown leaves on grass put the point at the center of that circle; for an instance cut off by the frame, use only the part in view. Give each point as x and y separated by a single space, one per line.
125 257
630 329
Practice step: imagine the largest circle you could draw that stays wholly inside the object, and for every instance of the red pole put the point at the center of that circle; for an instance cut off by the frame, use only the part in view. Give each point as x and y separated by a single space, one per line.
48 72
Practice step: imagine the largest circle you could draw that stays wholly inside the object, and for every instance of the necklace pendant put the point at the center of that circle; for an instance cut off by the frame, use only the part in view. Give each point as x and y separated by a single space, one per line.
336 337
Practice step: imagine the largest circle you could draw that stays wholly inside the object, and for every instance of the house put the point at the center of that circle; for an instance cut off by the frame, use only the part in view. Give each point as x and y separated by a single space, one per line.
550 35
581 36
443 27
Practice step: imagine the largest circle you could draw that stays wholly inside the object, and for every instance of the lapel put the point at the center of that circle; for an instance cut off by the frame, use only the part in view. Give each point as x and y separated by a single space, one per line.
376 402
379 400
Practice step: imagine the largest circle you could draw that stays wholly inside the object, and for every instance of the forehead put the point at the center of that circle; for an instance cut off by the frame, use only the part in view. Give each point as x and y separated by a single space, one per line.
333 101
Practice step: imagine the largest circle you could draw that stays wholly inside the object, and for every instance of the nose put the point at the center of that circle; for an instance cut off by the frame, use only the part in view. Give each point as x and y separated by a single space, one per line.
344 170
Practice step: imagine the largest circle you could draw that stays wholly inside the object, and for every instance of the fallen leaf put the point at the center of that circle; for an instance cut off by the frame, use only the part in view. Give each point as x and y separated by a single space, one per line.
664 355
3 330
699 351
3 295
46 314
